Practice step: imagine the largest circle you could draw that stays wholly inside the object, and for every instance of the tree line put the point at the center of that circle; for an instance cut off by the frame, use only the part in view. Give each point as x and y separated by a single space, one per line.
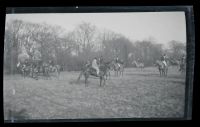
73 48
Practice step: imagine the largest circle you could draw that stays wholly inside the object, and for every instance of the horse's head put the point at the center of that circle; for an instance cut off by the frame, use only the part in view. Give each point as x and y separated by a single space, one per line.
134 62
159 64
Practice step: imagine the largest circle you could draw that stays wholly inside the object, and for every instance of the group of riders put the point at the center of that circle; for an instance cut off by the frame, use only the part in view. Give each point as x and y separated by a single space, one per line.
182 61
31 68
95 63
34 68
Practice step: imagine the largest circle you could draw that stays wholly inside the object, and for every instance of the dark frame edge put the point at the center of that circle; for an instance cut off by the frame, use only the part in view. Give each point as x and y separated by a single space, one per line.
190 54
190 28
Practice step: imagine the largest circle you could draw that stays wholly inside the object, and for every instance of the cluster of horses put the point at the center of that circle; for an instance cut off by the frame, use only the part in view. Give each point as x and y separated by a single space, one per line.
34 69
118 68
105 71
163 69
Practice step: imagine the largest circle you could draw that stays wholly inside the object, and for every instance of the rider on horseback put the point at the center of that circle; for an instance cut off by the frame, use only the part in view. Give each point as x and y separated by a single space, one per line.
95 65
183 59
163 59
182 62
117 61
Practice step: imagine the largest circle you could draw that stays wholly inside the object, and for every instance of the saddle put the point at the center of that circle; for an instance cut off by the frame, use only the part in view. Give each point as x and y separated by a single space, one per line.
93 71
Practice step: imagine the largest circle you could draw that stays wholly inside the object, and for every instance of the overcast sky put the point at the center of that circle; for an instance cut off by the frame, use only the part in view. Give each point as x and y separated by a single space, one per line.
162 26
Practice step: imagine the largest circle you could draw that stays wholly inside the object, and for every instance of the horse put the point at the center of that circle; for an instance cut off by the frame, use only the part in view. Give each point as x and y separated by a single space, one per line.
182 67
162 68
138 65
109 69
89 71
23 68
118 68
53 69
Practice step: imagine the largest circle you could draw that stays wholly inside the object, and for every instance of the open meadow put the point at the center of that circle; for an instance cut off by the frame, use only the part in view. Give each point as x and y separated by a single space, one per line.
137 94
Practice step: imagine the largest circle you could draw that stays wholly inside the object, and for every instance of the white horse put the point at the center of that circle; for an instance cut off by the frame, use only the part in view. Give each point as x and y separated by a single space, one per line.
138 65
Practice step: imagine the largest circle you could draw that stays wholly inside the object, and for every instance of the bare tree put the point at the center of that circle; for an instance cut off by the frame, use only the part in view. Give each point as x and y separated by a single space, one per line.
177 48
85 36
12 37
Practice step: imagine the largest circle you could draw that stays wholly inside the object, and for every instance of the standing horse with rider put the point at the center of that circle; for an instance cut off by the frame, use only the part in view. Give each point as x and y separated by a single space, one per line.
182 66
96 68
118 66
162 65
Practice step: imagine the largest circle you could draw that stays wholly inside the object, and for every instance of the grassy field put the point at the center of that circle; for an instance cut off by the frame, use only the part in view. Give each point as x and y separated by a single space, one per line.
138 94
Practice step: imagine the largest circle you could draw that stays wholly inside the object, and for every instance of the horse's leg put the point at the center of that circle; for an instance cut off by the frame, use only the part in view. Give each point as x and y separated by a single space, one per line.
166 71
163 72
23 74
100 80
104 83
57 74
106 75
47 75
86 79
160 72
80 75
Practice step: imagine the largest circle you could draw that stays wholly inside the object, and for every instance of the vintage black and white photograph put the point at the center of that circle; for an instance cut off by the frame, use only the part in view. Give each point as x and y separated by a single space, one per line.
94 65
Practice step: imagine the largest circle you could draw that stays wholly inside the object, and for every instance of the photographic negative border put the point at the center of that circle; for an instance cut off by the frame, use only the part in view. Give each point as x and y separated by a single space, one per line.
190 44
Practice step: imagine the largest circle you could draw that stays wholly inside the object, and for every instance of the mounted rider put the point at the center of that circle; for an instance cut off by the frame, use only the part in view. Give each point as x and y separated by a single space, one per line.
95 65
139 60
182 62
163 59
117 61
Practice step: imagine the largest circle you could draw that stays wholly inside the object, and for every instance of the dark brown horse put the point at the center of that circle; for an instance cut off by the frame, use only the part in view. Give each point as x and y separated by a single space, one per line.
89 71
182 67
